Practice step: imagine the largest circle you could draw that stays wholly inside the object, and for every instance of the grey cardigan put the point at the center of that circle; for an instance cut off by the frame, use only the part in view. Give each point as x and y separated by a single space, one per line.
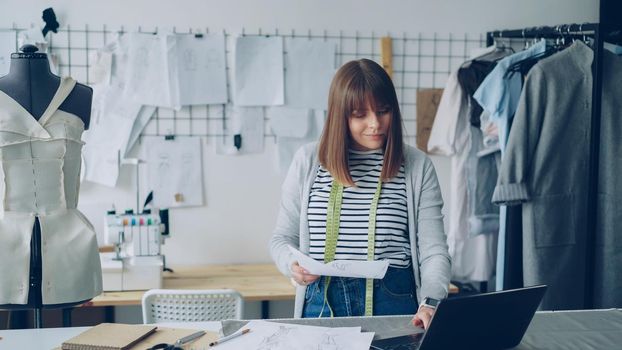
430 257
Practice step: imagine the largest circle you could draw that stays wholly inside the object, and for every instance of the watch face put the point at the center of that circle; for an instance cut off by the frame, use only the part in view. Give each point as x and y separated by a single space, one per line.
431 301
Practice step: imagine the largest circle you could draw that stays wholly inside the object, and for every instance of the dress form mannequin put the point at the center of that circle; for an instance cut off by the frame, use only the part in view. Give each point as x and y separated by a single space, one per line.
32 85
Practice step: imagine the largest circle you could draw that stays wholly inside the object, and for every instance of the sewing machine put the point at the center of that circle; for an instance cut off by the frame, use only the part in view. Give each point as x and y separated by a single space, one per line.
137 262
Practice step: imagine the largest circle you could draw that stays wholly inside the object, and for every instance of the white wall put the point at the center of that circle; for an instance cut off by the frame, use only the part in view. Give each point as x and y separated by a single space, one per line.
443 16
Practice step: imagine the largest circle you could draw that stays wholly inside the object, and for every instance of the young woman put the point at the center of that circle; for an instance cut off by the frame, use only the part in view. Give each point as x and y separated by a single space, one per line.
361 194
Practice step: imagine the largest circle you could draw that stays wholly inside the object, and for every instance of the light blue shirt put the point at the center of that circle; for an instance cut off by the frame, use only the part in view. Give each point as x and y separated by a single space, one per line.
499 95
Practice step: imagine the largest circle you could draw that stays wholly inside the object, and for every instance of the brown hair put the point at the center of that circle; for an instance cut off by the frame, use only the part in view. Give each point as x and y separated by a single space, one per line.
355 84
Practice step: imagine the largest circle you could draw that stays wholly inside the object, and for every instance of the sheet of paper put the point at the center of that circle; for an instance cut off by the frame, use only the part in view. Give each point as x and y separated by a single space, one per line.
8 45
248 123
310 66
100 70
287 146
108 137
33 36
342 268
202 69
259 71
143 118
265 335
175 172
119 67
152 70
289 122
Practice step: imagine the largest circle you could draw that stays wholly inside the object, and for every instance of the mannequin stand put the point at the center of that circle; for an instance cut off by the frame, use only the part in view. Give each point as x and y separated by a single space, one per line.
34 293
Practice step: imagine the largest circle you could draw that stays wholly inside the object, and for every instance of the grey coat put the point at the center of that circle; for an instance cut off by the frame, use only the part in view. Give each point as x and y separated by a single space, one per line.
431 261
546 167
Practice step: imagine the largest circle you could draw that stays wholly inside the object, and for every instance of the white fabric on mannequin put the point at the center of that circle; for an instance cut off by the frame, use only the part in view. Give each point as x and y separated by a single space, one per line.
40 166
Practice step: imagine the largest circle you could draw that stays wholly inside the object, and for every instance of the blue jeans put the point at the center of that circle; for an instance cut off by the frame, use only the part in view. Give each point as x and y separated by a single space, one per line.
393 295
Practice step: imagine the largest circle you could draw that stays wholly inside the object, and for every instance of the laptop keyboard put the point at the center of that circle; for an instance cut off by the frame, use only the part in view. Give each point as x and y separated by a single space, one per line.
408 342
402 346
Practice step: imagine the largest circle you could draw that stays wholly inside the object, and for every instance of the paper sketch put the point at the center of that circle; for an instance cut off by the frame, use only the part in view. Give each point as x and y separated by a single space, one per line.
202 69
100 70
246 125
108 137
175 173
143 118
259 71
280 336
310 66
341 268
8 43
289 122
287 146
276 339
152 70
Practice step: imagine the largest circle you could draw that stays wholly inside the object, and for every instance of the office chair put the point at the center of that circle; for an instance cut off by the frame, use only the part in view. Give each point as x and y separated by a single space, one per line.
176 305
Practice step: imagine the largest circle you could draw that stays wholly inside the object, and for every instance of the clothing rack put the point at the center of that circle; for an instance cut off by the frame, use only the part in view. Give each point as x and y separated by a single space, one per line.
599 32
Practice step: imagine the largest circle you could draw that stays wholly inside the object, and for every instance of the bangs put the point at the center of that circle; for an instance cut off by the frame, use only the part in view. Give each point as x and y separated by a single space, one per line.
356 85
361 91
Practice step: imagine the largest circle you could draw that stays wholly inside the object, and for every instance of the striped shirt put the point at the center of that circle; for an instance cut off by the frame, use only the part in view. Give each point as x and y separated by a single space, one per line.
392 242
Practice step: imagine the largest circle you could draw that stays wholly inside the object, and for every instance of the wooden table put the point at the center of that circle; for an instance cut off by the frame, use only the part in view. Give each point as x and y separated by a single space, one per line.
256 282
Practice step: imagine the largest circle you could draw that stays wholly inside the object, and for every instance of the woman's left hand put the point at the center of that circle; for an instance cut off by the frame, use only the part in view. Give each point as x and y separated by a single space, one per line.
422 317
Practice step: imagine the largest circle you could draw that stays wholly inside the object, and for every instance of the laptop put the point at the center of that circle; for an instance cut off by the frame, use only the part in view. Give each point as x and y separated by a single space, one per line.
496 320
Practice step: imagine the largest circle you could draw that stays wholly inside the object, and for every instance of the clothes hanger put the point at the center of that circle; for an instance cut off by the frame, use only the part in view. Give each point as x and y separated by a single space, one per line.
498 53
525 65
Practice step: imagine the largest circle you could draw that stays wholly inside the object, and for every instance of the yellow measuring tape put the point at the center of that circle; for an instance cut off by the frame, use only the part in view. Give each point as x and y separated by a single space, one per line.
333 215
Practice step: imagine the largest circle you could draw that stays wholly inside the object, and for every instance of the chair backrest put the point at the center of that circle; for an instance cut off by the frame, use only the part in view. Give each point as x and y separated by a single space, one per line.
177 305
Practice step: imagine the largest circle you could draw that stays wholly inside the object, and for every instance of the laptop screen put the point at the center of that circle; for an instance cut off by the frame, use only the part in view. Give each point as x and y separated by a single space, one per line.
496 320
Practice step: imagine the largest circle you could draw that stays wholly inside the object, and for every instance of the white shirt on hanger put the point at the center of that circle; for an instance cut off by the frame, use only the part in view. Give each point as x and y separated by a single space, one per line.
473 258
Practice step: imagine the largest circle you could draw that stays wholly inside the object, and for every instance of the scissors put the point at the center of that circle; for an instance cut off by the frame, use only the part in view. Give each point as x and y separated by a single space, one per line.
178 344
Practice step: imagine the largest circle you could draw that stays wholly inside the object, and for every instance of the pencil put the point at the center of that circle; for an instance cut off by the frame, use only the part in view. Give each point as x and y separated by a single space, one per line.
229 337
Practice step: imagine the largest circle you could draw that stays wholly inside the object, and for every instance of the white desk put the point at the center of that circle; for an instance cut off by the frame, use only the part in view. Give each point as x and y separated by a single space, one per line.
50 338
584 330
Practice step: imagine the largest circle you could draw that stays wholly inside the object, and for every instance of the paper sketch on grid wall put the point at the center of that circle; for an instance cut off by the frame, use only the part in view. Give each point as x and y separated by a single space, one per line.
152 70
8 41
175 173
310 66
117 119
258 71
107 138
243 132
202 70
287 145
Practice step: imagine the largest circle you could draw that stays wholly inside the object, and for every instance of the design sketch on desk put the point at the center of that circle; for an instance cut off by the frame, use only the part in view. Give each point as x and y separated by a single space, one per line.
328 343
275 340
280 340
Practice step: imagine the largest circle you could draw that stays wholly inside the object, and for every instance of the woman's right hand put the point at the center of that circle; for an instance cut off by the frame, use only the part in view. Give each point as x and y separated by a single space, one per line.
302 276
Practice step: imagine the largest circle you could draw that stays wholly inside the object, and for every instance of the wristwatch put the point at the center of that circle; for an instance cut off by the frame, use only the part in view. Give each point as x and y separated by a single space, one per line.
430 302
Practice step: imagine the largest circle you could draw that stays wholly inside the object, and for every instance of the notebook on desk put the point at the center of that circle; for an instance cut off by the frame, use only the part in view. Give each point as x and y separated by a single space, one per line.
114 336
495 320
109 336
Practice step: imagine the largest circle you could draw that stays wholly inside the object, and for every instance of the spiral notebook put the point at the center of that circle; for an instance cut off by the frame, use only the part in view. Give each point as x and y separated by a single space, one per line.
109 336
